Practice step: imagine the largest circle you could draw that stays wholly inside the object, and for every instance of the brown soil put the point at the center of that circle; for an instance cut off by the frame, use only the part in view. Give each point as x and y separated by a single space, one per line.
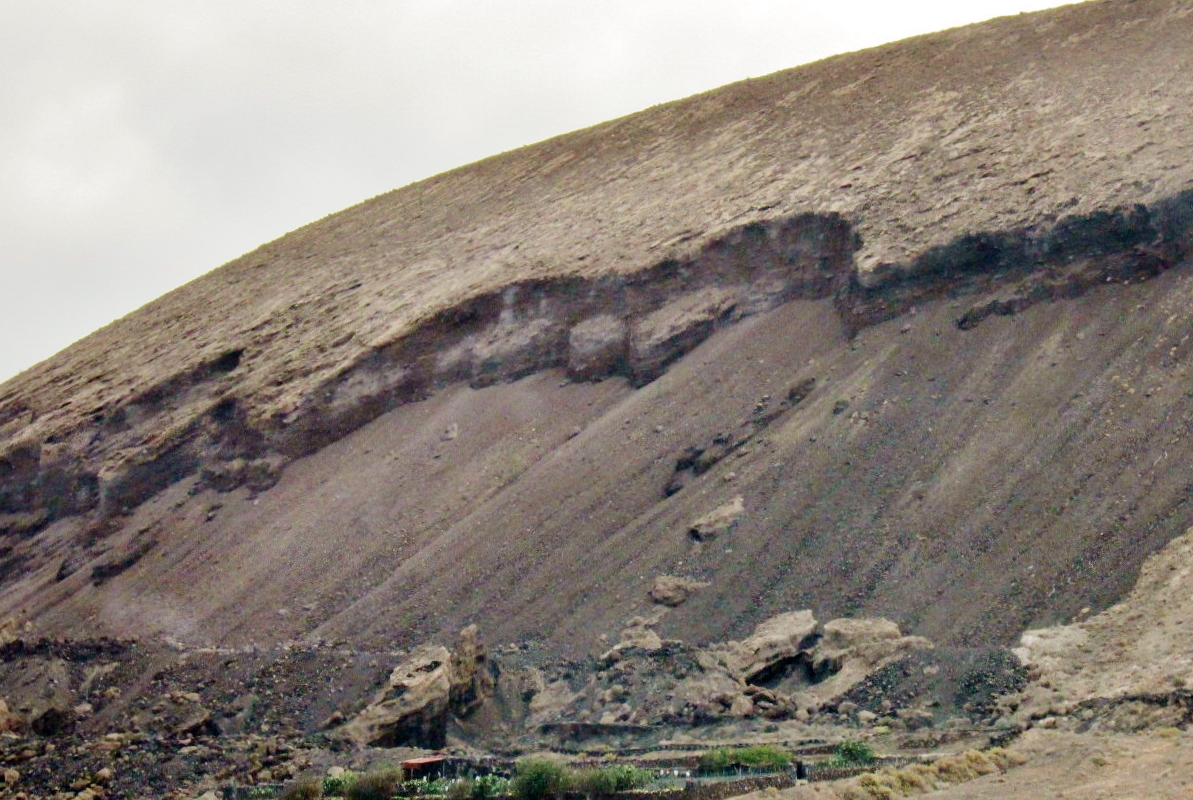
1057 765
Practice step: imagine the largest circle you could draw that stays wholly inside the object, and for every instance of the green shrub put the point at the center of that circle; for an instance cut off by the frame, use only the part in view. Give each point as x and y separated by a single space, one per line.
716 760
607 780
337 785
485 787
592 782
440 787
482 787
430 787
627 777
853 753
380 785
414 788
538 779
763 756
850 754
303 789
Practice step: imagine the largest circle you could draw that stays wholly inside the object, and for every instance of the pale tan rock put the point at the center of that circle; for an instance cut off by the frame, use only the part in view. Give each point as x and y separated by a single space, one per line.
673 590
413 707
710 693
718 521
549 703
431 685
851 649
779 638
639 633
471 680
1142 645
741 706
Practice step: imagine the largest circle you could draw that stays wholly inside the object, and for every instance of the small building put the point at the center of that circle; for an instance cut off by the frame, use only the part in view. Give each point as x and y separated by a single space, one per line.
428 767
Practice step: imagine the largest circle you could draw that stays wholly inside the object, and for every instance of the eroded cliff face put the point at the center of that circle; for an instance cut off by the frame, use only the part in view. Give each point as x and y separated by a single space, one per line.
630 326
965 176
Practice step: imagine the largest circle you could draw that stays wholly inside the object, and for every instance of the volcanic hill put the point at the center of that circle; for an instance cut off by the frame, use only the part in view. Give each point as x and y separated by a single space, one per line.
905 333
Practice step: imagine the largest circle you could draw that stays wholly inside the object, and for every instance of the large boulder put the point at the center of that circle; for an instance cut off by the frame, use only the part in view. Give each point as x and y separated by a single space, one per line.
773 643
471 678
551 703
432 685
851 649
412 709
638 634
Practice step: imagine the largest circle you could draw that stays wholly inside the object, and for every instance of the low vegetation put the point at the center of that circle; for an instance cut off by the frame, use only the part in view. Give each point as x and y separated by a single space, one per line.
604 781
482 787
380 785
542 779
305 789
538 779
850 754
918 779
760 757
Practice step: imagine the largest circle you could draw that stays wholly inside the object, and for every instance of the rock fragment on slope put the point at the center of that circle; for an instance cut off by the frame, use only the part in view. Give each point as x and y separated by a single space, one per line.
673 590
718 521
851 649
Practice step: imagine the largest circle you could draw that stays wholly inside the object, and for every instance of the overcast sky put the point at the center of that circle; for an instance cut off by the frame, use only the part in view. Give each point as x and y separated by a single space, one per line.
145 142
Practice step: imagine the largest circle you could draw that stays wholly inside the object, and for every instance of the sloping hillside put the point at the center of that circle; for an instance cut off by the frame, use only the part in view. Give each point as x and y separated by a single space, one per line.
924 308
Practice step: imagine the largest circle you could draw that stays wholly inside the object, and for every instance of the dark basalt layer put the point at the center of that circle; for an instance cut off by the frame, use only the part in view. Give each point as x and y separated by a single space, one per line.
631 326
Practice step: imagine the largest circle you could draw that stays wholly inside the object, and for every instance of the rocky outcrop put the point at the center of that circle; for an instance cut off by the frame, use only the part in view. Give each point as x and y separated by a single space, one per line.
1127 668
638 634
423 693
196 422
646 680
633 326
851 649
773 644
413 708
471 678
